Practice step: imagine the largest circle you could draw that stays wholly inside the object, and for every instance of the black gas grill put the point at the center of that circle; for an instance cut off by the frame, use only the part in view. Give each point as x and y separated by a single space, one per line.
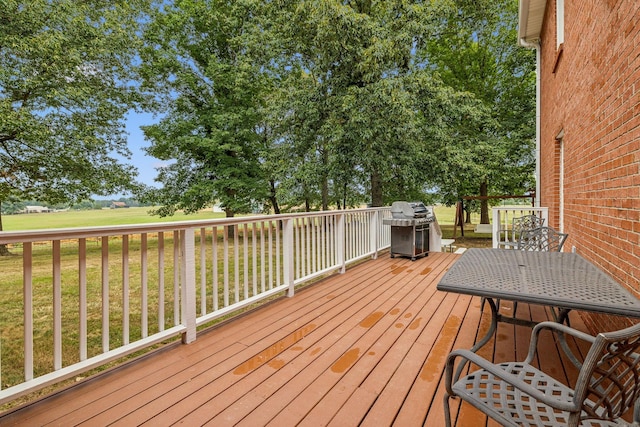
410 222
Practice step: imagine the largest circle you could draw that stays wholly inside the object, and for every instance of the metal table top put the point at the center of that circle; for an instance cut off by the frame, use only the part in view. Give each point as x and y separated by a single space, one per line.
558 279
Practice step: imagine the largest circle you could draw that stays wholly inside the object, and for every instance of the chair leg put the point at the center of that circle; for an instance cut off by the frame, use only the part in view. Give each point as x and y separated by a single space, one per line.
447 410
561 316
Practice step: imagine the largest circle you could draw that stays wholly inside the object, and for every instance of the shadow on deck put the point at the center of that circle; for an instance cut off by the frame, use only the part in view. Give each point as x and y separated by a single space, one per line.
363 348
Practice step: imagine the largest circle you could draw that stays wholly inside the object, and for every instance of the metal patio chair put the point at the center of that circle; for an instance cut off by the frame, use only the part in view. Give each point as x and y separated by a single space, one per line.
518 225
541 239
519 394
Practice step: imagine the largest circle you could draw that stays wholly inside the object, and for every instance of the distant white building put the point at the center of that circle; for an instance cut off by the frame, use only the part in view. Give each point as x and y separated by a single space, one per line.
36 209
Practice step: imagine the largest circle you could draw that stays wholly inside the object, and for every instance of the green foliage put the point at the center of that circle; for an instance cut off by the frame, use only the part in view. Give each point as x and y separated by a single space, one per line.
12 207
304 104
477 53
211 93
284 104
65 86
349 113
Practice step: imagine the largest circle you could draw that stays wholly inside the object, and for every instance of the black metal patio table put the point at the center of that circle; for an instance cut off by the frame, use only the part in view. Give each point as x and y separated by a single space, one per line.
561 280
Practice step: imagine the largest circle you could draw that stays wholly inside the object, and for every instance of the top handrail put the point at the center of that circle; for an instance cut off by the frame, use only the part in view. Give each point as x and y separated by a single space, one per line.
37 235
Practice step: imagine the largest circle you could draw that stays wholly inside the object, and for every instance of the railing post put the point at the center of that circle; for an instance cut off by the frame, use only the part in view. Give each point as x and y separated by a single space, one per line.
188 284
287 253
27 262
105 293
57 306
496 228
545 215
373 233
341 241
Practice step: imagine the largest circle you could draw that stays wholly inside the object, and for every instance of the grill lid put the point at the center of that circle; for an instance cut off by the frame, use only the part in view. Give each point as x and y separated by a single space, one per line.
406 210
419 209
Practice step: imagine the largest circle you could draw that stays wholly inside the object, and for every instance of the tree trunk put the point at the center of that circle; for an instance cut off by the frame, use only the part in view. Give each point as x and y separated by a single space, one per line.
273 198
376 189
344 196
484 203
325 181
325 193
229 213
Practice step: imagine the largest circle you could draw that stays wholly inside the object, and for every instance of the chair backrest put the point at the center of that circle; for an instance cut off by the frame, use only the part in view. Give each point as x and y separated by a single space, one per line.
609 381
522 223
527 222
544 239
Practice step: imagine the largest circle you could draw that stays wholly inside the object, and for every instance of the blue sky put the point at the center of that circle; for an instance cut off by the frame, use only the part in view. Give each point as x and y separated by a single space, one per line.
145 164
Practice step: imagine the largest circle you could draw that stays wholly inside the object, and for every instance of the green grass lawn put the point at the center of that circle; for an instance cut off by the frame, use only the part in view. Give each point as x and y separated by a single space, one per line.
140 215
91 218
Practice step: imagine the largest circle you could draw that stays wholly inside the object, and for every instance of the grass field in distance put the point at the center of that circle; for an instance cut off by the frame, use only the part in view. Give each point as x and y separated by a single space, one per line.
127 216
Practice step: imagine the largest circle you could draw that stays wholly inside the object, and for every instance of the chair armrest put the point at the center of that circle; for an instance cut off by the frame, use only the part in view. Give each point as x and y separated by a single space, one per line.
558 329
471 357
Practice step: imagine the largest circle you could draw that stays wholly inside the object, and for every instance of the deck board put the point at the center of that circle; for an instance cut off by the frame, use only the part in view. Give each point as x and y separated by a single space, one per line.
366 347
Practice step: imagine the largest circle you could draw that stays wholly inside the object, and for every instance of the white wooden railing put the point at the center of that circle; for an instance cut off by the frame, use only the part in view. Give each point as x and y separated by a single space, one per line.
111 291
503 219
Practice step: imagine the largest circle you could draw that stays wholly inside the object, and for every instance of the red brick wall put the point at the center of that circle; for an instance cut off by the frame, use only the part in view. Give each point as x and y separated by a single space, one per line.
591 91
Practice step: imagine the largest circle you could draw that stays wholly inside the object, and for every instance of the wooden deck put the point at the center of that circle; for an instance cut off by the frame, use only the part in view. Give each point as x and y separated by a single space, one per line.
363 348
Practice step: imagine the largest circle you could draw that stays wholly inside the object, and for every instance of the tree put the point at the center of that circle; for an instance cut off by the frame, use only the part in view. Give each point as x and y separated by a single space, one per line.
349 105
211 92
65 87
477 53
320 102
